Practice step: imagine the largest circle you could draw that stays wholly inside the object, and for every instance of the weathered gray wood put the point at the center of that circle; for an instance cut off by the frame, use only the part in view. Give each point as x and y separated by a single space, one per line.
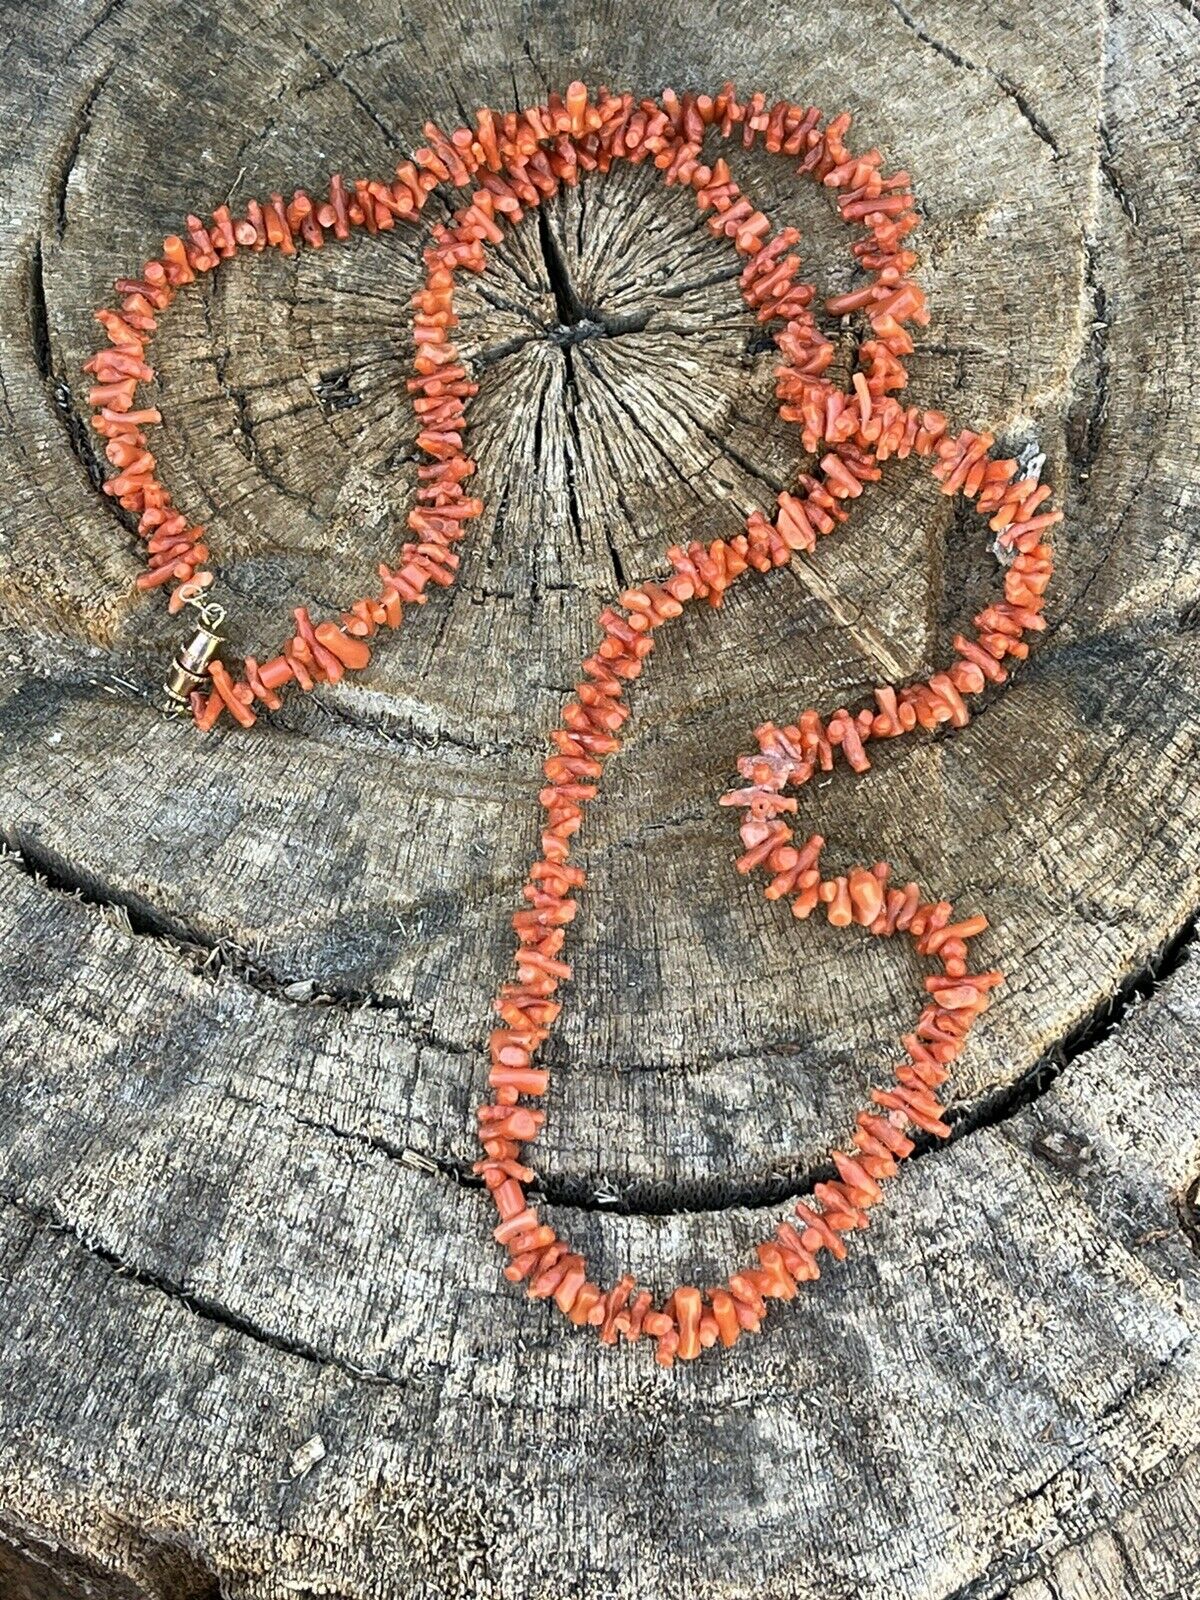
220 1063
1011 1367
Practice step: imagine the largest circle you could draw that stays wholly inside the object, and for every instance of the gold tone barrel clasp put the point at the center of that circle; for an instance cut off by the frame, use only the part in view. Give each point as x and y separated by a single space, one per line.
190 667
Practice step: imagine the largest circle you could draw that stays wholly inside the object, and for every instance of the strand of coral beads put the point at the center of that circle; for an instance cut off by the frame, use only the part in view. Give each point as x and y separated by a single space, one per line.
510 164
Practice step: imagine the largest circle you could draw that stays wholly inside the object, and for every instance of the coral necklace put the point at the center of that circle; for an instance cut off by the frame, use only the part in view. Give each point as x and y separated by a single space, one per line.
512 163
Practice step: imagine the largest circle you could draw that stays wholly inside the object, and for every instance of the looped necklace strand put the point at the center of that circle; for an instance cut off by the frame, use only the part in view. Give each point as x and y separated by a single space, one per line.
511 163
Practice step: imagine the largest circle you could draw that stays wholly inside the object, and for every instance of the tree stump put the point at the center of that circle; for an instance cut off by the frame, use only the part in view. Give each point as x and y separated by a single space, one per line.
255 1341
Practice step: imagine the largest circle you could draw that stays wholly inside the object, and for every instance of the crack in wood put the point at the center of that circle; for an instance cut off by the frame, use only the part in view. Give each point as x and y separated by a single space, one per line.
333 74
35 1567
76 130
725 449
205 1307
990 1110
1085 448
39 315
102 16
639 429
206 956
570 308
990 1113
1035 123
538 73
401 733
78 433
428 1162
1020 1566
1189 1213
575 322
244 437
334 393
608 326
211 958
1112 175
676 291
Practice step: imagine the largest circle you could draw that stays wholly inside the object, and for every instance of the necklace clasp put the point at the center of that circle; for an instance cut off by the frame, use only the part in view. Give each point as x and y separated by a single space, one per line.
190 666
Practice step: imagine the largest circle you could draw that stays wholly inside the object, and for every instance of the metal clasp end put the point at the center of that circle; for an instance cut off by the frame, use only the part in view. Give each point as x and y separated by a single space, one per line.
190 666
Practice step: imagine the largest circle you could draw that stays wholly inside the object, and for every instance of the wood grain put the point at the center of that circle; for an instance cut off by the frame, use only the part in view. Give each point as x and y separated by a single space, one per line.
244 982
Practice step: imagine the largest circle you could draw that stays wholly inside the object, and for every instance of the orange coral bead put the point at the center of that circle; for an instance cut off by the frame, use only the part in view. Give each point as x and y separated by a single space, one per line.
351 652
687 1313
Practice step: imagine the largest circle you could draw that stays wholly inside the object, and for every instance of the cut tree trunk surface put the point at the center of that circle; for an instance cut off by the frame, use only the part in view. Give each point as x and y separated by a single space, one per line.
255 1342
